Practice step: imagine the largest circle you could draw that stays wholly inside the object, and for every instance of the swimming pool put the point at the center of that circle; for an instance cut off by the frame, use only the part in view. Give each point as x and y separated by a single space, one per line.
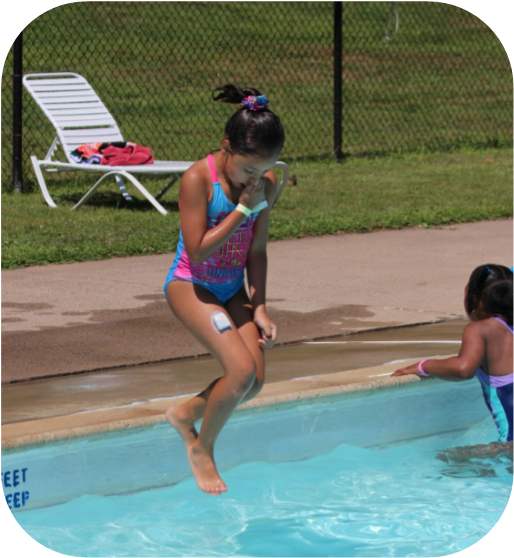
346 475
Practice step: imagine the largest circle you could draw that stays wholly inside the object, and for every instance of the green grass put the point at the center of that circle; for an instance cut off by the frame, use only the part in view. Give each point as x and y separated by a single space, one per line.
396 192
359 195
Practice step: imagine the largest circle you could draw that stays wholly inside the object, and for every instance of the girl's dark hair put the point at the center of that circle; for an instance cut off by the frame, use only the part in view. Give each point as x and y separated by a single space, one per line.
493 285
250 132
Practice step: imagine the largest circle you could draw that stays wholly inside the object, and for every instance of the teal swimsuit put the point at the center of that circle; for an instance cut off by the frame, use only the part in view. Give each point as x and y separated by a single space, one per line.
223 272
498 392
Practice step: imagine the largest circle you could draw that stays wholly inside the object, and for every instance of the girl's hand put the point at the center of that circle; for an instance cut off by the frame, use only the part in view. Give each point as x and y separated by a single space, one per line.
412 369
267 327
253 193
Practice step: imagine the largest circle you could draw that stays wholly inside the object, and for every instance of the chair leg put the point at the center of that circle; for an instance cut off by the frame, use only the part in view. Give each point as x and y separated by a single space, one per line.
167 187
134 181
285 176
122 188
41 181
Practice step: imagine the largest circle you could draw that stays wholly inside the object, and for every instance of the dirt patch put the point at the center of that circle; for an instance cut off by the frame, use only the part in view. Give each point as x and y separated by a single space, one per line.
150 297
27 306
156 306
75 313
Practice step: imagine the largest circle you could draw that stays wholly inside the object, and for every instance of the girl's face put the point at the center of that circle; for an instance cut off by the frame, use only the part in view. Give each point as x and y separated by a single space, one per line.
241 169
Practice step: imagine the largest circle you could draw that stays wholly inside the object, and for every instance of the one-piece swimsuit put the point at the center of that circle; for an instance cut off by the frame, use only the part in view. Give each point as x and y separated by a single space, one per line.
498 391
223 272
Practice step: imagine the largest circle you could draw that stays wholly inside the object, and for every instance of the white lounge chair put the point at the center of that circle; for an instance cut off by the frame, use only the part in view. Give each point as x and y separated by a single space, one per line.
79 116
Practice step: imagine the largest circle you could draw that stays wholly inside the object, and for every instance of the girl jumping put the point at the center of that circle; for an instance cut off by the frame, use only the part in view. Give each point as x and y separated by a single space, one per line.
225 200
486 350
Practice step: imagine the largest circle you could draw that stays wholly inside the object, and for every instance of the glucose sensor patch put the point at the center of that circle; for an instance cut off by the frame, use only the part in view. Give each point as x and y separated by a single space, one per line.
220 322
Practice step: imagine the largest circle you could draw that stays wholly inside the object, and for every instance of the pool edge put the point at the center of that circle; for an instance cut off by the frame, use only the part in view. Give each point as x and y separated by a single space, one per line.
347 383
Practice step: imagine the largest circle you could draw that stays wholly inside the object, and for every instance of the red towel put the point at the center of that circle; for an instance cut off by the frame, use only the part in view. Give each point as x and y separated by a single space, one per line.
131 154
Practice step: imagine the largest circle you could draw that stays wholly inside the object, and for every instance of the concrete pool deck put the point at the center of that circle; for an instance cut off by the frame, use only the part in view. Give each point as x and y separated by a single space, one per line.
62 319
67 319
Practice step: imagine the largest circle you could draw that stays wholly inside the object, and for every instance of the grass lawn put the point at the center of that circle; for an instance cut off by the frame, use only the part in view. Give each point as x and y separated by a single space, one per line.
358 195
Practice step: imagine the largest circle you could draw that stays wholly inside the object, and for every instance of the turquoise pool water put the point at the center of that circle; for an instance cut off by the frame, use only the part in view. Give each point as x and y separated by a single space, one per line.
358 498
391 500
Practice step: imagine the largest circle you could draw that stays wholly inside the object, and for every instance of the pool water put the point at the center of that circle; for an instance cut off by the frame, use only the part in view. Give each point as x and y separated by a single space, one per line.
392 500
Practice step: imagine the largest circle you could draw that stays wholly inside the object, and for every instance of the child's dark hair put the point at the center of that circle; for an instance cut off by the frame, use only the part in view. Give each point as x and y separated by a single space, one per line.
250 132
493 284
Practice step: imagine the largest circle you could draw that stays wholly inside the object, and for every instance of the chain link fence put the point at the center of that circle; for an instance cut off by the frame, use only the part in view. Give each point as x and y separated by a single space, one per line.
442 81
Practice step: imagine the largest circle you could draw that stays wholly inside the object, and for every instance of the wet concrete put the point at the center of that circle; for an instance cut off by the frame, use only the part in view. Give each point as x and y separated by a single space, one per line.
151 333
62 319
66 395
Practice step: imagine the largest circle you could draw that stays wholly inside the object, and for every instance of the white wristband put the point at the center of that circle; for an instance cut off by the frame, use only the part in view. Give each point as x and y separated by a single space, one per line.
243 209
260 206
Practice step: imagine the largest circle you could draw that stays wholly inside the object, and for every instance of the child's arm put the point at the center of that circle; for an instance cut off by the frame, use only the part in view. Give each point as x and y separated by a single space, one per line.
201 243
461 367
256 265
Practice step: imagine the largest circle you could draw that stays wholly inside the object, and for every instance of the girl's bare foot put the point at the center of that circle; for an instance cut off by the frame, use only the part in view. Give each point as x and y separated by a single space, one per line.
183 424
204 470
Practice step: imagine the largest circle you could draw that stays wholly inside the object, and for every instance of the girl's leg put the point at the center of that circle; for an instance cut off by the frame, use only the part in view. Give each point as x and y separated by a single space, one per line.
183 417
194 306
240 309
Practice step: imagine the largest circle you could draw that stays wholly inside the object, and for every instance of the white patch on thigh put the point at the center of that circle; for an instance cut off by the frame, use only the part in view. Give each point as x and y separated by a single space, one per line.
220 322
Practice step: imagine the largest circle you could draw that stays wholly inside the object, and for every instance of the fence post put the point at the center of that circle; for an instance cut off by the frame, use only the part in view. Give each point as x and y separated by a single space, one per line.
17 114
338 81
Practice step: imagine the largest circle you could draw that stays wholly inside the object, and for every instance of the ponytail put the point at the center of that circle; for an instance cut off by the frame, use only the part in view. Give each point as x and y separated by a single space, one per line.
254 129
231 93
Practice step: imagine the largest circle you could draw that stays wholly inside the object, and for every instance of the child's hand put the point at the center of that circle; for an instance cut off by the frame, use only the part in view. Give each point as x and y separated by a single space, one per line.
253 193
412 369
267 327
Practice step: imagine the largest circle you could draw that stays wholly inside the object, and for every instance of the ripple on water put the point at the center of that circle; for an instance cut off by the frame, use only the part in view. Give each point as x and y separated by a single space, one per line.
352 501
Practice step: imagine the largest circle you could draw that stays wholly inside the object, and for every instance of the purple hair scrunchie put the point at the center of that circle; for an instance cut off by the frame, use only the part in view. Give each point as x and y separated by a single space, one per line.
254 102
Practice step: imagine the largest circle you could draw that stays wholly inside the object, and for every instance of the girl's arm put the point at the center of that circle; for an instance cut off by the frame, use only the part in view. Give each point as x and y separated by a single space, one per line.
257 263
459 368
201 243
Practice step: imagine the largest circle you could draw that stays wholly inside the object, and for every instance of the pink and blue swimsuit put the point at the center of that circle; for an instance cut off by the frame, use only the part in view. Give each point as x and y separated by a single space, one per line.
498 391
223 272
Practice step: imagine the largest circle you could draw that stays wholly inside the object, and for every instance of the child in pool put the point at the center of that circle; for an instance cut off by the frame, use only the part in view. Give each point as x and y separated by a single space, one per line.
225 200
486 349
